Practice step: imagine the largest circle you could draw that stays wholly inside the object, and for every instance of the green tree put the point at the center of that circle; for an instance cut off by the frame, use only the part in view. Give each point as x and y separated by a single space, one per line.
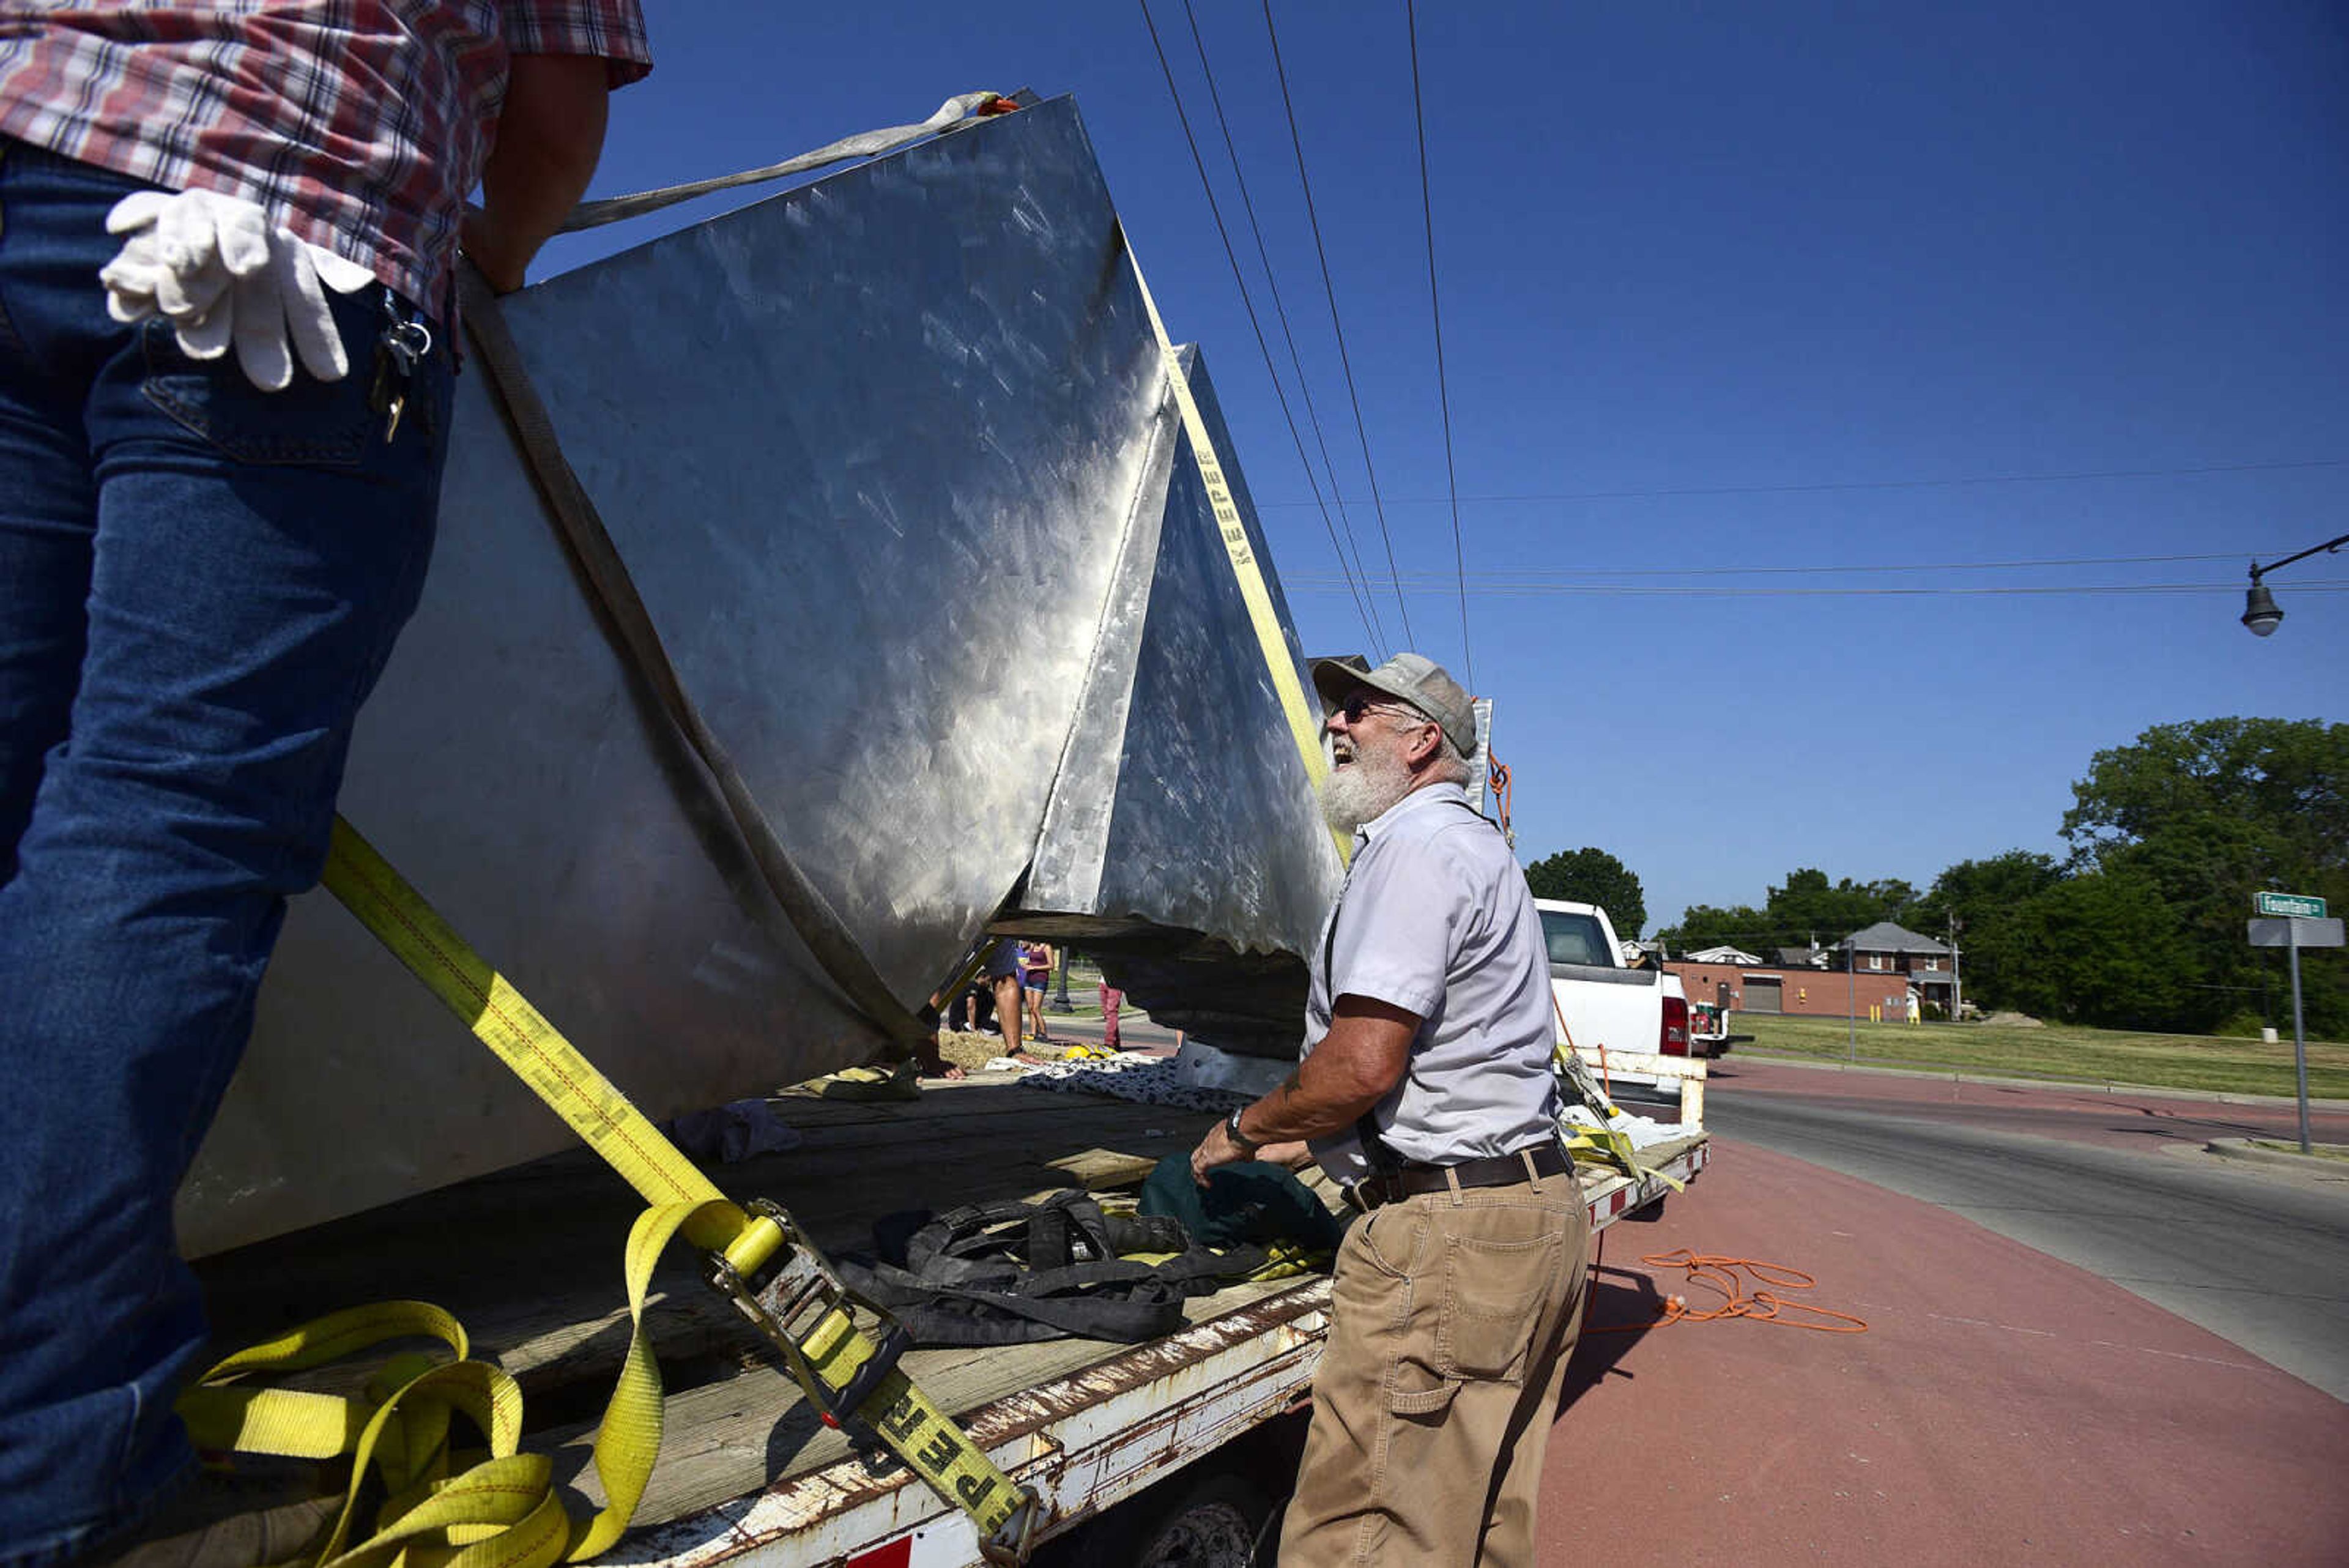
2287 778
2209 813
1808 905
1805 906
2101 948
1591 876
1706 926
1973 900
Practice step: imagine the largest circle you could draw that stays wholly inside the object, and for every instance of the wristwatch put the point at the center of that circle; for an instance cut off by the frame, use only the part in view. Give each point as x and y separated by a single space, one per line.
1232 1130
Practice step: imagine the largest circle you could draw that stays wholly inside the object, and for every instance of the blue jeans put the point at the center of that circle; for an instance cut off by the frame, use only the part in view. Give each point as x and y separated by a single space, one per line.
199 584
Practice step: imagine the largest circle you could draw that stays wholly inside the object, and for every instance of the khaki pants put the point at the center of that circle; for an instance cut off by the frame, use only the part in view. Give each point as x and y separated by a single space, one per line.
1453 1314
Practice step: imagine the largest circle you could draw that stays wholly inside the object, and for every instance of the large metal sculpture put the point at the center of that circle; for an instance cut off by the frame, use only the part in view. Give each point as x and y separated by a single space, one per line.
893 461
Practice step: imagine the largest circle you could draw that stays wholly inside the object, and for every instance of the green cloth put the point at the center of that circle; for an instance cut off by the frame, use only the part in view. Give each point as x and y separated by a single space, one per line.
1247 1203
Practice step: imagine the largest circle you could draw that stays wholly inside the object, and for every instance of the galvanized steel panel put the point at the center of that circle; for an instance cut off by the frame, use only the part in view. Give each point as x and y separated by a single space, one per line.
892 461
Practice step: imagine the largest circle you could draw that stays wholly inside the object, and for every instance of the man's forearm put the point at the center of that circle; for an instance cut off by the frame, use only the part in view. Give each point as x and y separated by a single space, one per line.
1308 1106
1362 1057
550 135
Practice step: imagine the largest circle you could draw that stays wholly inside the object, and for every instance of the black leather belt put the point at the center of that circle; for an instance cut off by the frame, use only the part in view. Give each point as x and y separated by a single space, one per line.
1409 1180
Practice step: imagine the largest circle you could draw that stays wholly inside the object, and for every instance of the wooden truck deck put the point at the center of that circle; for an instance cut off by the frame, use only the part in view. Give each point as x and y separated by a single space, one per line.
529 1260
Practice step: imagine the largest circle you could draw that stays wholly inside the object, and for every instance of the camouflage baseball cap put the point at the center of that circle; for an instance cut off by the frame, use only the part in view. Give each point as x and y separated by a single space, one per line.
1416 680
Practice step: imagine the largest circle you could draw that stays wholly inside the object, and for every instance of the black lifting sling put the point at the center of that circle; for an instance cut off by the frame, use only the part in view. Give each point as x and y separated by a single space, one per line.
1006 1273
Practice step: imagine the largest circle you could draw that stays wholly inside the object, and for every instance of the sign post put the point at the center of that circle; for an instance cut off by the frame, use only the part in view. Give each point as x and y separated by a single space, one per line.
2295 921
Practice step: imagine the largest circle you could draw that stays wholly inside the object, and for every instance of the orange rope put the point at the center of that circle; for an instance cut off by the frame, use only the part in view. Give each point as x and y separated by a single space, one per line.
1721 1275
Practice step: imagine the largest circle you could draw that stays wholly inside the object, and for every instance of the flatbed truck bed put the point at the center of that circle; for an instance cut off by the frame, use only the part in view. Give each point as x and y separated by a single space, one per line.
529 1260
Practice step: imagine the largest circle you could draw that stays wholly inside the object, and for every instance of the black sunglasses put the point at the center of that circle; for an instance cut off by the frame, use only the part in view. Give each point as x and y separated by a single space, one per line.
1355 706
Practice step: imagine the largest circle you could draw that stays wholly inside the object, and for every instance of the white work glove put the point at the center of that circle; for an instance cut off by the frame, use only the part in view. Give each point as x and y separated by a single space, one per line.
215 267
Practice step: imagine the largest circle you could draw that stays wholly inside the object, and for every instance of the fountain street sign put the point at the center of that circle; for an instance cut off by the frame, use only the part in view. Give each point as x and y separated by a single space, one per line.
2288 903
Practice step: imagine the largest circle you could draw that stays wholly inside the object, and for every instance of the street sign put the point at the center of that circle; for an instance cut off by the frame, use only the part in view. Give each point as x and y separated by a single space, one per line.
2288 903
2296 932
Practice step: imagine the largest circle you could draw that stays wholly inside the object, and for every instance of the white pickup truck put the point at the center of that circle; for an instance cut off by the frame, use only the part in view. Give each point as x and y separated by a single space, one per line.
1629 1023
1602 1003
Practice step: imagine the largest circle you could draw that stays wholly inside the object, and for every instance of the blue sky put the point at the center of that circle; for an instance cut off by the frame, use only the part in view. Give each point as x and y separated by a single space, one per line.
1724 287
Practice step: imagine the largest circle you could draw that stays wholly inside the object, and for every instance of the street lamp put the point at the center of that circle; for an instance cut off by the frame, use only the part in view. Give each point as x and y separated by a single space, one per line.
2260 612
2261 616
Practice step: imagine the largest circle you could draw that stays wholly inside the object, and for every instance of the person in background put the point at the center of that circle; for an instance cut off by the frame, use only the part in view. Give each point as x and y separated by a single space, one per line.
1111 1002
1003 983
959 1010
227 255
928 1059
1036 962
1424 1090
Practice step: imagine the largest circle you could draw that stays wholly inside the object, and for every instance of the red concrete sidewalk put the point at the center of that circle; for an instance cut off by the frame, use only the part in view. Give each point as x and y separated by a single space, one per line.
2003 1407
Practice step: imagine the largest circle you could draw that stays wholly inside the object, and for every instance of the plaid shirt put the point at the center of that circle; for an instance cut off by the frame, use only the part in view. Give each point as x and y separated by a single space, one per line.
361 125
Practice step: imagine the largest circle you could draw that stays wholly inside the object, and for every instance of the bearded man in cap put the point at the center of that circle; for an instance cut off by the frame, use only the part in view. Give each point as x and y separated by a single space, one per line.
1424 1089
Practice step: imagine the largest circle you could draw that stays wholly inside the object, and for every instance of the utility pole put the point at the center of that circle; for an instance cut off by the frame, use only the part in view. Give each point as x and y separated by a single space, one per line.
1851 992
1957 986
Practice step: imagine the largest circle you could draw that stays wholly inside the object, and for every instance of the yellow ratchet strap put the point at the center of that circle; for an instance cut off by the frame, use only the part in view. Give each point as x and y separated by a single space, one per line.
502 1511
1602 1145
1605 1145
1303 721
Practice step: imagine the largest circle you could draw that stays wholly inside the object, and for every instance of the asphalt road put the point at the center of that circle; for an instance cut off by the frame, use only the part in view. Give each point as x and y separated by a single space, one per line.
2261 1261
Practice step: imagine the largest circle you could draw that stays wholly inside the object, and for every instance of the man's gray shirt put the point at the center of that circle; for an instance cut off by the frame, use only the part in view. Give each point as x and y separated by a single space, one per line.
1436 918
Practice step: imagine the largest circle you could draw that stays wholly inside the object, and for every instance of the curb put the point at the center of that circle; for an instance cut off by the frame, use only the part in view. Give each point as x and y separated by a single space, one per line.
2245 1149
2098 1086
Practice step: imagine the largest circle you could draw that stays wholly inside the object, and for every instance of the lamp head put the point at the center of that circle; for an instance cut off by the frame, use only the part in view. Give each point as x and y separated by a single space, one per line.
2260 612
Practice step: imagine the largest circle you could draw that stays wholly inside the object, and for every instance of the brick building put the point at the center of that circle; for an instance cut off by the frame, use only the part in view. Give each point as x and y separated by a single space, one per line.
1927 965
1885 962
1798 990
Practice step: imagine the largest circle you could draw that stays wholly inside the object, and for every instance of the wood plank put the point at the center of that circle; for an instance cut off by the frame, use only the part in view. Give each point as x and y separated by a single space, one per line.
731 1437
530 1258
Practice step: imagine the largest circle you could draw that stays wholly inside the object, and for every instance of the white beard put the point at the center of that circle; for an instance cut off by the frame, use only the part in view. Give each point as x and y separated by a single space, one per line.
1365 788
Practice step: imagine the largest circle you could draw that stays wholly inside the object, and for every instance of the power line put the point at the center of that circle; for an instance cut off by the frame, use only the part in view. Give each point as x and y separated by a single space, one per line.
1435 312
1362 600
1538 590
1280 311
1521 575
1329 292
1873 483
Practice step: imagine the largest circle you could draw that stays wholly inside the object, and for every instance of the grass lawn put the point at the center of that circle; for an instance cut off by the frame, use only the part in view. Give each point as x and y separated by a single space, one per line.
2058 1051
2317 1150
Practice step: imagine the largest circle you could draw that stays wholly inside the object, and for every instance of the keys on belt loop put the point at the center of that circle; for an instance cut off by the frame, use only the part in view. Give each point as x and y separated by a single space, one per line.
398 349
